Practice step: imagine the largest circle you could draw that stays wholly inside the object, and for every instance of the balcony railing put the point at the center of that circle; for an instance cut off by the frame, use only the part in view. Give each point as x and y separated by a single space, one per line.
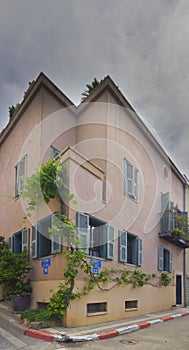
174 228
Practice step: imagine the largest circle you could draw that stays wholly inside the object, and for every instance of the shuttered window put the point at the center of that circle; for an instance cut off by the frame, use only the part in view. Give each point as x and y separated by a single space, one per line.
129 248
130 180
20 176
20 241
164 259
43 244
96 237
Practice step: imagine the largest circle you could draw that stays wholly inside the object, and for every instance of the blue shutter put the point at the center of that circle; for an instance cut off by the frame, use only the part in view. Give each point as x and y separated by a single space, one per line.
139 251
110 242
82 222
34 242
160 258
10 243
170 261
165 215
122 246
129 171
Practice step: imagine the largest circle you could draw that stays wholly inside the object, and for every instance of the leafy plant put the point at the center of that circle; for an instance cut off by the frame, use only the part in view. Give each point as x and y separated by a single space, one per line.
165 279
14 271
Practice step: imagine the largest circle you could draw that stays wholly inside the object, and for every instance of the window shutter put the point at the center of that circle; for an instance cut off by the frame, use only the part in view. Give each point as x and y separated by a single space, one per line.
82 222
56 245
139 241
135 184
34 241
171 217
110 242
25 239
128 178
122 244
170 261
10 243
165 215
22 174
160 258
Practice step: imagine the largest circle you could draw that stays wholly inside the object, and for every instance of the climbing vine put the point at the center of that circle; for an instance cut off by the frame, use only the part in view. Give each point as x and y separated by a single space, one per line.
49 182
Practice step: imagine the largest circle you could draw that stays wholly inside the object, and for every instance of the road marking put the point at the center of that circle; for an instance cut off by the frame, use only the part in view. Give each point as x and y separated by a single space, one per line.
8 336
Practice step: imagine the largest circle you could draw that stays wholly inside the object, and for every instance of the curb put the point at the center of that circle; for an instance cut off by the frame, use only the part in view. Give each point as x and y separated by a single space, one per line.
101 336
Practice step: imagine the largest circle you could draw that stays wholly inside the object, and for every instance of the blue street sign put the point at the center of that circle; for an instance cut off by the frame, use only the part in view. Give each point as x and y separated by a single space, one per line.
95 270
46 262
96 263
45 270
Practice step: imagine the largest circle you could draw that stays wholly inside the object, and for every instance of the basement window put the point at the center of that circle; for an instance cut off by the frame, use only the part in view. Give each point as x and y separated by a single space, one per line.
131 305
96 308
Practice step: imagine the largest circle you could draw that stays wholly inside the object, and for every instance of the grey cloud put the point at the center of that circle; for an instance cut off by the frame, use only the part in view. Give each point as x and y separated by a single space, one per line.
141 44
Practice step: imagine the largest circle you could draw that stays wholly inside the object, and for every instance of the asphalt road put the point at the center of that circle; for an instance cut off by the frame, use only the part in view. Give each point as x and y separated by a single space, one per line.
11 339
169 335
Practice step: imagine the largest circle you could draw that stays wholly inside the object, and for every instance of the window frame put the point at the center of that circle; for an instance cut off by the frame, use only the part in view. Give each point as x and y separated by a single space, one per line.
105 249
123 248
130 181
20 179
39 240
161 259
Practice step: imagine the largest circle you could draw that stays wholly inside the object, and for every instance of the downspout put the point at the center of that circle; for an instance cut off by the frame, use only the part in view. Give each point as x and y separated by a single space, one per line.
184 254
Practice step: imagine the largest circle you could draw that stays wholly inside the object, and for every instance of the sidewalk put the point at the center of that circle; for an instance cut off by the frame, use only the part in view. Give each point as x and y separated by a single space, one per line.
94 332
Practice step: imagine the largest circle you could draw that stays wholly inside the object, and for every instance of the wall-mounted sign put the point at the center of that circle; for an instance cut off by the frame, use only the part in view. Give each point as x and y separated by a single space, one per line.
46 262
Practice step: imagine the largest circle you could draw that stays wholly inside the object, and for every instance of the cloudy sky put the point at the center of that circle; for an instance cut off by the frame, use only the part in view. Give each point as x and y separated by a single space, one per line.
142 44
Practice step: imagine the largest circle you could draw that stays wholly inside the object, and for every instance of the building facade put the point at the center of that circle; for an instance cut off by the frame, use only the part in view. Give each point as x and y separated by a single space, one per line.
130 199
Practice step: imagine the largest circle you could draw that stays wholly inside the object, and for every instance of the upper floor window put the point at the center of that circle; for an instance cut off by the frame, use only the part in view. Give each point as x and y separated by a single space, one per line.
54 152
130 180
130 248
20 176
96 236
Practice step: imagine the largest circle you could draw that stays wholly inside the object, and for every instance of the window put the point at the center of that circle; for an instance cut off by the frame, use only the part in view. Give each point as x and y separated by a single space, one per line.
164 259
42 243
131 181
20 176
130 248
96 308
19 241
96 236
54 152
131 304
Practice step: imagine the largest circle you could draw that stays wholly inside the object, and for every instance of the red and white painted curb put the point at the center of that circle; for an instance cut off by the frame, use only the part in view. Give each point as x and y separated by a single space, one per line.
104 335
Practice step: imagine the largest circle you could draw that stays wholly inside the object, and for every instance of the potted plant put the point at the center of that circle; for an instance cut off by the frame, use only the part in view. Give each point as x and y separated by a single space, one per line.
3 246
14 273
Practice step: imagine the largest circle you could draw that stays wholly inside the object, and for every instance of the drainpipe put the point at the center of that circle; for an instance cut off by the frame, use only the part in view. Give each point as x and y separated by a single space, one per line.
184 255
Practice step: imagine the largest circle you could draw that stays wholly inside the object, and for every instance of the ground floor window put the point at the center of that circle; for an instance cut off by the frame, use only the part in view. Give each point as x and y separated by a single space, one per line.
19 241
43 244
164 259
96 237
96 308
130 248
